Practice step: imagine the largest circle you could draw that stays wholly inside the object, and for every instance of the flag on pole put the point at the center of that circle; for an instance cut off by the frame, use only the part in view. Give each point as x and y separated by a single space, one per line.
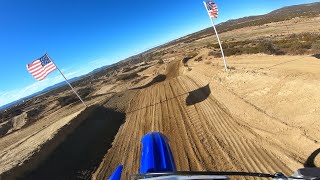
212 9
41 67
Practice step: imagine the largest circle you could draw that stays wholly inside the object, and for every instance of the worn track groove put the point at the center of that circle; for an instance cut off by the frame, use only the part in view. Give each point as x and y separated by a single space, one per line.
203 135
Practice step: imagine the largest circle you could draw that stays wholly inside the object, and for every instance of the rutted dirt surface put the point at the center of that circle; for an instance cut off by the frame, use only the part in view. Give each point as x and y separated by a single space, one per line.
204 133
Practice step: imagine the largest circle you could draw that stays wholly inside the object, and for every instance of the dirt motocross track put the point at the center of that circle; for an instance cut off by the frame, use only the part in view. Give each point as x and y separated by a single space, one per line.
204 134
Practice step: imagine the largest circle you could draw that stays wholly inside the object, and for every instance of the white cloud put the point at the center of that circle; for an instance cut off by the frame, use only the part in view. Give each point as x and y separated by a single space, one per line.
70 72
13 95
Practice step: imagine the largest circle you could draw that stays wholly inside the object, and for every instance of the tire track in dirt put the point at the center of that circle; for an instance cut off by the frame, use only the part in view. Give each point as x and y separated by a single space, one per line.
200 131
259 155
215 129
281 150
203 136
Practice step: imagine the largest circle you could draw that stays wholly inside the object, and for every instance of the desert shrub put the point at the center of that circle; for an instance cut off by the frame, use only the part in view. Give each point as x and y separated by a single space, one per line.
34 113
213 46
267 47
198 59
232 51
212 53
316 45
192 54
292 44
160 61
12 112
4 116
66 100
127 69
248 47
142 69
186 59
84 92
298 43
307 37
251 50
207 62
299 48
1 117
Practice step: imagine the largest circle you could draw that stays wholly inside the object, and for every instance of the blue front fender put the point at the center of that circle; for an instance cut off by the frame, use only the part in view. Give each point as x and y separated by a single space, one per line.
156 154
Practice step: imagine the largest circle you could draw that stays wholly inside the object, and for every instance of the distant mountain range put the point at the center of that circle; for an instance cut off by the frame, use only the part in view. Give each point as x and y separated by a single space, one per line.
63 83
282 14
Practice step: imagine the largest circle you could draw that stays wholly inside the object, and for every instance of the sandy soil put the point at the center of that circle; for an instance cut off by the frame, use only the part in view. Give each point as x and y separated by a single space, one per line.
272 30
18 147
258 117
15 149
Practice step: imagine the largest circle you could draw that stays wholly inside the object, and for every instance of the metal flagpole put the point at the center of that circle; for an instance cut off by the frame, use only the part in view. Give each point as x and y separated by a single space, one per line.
67 81
215 30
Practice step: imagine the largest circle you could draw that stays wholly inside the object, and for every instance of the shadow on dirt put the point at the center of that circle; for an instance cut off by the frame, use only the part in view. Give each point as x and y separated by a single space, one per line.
310 161
157 79
77 154
316 56
186 59
198 95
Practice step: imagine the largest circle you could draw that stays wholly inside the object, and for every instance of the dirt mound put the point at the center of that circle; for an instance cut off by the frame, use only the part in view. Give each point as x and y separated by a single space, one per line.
77 149
14 124
19 121
119 101
173 69
5 127
157 79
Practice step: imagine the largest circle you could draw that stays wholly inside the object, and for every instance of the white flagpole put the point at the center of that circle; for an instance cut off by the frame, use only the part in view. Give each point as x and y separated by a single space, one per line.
67 82
215 30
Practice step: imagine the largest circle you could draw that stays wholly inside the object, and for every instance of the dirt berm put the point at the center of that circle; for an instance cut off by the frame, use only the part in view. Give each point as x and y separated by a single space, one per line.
76 150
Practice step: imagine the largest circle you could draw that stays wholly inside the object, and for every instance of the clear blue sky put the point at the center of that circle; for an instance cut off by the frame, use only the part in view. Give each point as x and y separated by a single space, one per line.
81 35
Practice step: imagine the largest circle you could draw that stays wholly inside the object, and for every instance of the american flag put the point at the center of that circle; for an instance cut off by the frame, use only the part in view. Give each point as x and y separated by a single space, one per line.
41 67
212 9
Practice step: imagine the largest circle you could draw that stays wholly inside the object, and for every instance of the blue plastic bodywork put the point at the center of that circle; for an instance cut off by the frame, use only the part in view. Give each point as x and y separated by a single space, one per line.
116 175
156 154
